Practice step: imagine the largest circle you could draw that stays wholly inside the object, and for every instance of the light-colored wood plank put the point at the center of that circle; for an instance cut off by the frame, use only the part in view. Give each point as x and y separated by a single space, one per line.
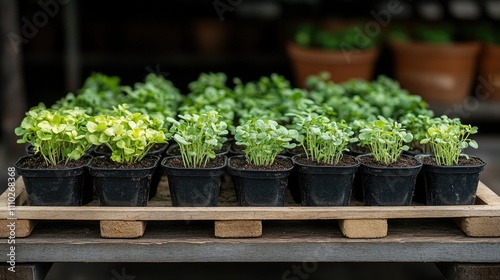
480 227
122 229
376 228
238 229
22 198
250 213
23 228
485 195
20 193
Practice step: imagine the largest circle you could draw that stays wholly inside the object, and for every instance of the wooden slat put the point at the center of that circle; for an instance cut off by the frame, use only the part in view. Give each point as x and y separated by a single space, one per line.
427 240
480 226
485 195
19 192
375 228
122 229
238 229
249 213
23 228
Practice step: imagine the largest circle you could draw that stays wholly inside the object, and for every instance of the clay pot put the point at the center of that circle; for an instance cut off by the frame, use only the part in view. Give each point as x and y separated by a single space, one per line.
489 70
342 66
211 37
439 73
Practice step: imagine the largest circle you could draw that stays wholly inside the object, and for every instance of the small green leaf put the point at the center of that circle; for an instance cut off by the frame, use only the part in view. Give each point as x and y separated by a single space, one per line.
180 140
473 144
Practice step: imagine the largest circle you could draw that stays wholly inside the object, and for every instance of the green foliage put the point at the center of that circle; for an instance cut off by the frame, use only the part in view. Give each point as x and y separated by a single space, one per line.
260 99
157 97
346 39
198 137
210 93
418 125
386 139
99 93
271 98
400 34
487 33
447 138
205 80
211 99
441 35
264 140
426 34
102 83
324 141
128 135
355 99
57 135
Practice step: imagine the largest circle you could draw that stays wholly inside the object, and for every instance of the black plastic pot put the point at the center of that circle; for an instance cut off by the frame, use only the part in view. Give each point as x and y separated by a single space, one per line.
451 185
122 187
293 180
259 187
30 150
325 185
194 186
357 187
52 187
233 151
155 180
419 192
88 188
293 185
388 186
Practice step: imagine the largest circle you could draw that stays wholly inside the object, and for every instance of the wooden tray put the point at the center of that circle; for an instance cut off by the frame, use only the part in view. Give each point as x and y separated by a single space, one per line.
233 221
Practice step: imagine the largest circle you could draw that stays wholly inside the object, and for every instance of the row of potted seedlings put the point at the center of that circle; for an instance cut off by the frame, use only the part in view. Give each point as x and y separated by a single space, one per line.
272 119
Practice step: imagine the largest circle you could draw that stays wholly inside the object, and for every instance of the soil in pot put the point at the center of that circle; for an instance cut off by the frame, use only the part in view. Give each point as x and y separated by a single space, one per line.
388 185
122 184
194 186
451 185
325 185
311 61
260 185
60 185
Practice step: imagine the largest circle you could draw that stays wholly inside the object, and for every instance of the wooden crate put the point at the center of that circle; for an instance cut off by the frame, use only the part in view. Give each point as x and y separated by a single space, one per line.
233 221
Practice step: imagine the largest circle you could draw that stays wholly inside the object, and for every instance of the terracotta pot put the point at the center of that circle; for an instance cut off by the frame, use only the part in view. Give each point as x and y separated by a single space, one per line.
489 69
211 37
342 67
439 73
